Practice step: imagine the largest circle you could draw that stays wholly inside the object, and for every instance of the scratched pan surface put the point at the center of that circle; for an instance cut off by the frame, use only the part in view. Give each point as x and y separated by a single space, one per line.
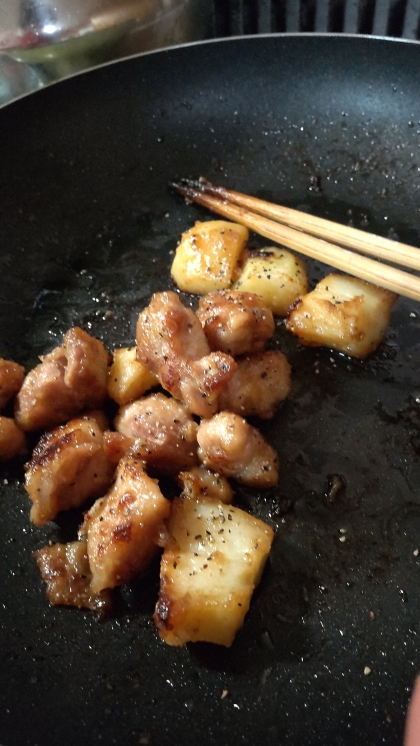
87 225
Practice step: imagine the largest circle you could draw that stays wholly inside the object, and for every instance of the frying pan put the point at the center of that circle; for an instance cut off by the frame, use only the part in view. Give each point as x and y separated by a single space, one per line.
327 124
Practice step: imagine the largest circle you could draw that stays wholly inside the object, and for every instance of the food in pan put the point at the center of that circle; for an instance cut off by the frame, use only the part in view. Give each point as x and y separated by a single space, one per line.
128 377
11 379
179 432
342 312
345 313
207 256
213 558
12 439
276 275
68 466
229 445
214 370
66 571
234 322
199 482
160 431
172 344
122 528
68 380
258 385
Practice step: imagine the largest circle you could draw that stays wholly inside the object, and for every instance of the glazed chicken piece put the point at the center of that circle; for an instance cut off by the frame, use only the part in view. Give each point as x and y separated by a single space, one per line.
259 384
230 446
68 465
12 439
235 322
171 343
65 569
116 445
200 483
161 431
123 528
11 379
68 380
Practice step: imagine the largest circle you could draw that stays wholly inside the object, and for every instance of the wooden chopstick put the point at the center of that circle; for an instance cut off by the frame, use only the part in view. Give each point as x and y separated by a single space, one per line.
240 210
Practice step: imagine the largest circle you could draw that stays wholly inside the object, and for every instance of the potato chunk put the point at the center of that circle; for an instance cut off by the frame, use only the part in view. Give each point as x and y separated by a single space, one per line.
276 275
128 377
344 313
213 559
207 256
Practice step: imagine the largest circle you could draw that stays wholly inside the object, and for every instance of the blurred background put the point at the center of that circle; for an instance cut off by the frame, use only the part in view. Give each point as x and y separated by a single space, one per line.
42 41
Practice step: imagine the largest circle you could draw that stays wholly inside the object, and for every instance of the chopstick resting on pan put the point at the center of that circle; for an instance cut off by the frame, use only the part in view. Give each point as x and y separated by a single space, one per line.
315 237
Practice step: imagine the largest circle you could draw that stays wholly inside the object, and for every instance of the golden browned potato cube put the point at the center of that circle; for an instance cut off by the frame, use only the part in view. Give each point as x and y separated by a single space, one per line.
344 313
213 559
276 275
128 378
207 256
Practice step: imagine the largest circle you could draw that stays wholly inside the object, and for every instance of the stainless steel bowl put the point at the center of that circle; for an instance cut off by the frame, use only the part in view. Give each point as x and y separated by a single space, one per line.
67 35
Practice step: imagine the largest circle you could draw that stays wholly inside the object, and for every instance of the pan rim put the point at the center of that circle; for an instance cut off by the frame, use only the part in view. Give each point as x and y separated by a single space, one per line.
243 38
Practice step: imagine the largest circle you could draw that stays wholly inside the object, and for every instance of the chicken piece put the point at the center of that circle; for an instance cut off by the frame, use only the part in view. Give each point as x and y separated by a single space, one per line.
171 343
129 379
235 322
12 439
229 445
199 483
342 312
162 432
68 465
276 275
206 257
116 445
213 559
65 569
123 527
68 380
11 379
259 384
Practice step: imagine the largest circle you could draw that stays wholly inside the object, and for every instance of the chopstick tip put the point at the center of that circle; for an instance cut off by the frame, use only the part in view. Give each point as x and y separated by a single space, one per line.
184 184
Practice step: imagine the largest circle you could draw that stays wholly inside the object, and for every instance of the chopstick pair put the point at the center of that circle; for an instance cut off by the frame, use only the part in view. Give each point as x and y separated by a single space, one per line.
315 237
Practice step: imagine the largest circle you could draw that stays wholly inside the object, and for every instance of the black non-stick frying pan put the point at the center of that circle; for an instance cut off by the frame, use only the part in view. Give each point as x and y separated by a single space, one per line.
87 226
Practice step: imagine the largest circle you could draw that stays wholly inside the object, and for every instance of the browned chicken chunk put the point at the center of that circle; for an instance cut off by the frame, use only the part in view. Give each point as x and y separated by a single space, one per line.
232 447
68 465
199 483
234 322
11 379
116 445
123 527
259 384
69 379
65 569
171 343
162 432
12 439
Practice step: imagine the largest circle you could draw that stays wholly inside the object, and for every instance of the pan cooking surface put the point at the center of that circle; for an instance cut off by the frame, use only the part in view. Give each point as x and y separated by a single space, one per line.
87 222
